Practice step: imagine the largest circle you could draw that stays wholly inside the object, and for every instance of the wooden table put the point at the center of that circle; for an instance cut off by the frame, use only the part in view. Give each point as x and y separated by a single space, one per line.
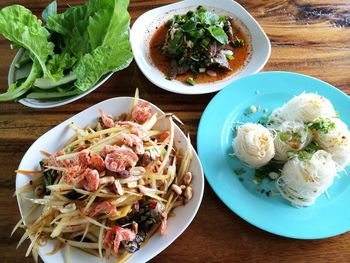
309 37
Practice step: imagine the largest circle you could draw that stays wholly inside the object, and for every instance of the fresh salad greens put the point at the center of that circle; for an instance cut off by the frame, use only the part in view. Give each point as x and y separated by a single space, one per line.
71 53
198 40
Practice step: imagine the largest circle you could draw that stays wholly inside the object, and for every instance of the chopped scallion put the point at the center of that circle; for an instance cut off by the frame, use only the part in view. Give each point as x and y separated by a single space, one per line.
230 57
239 171
191 81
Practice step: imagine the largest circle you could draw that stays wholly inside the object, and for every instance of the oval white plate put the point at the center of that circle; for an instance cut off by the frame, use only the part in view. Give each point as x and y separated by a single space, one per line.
15 74
144 27
59 136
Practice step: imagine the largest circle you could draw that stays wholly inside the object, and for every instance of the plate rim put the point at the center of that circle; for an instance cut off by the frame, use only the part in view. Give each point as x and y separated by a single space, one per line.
210 179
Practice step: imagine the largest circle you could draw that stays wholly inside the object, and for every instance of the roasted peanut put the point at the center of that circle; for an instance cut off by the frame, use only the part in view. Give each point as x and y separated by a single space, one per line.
118 187
188 178
107 180
188 192
138 170
176 189
132 185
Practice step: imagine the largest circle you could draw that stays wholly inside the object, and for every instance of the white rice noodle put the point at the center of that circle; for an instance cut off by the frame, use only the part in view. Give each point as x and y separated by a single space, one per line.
253 145
307 107
302 182
301 138
337 142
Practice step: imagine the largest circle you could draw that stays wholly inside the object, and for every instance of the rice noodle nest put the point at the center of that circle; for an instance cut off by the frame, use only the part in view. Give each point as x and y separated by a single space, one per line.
253 145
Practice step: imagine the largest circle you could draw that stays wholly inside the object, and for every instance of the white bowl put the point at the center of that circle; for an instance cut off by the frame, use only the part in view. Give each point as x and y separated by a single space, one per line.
144 27
60 135
15 74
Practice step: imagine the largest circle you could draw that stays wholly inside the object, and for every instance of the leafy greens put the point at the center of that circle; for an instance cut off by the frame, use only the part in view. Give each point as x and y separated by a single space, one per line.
199 40
73 51
24 29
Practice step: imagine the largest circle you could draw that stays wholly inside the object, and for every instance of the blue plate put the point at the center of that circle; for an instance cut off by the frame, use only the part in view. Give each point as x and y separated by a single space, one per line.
327 217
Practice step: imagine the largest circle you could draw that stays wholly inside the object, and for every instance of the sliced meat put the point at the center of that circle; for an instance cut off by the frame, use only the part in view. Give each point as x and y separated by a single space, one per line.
212 49
175 69
172 69
229 30
221 61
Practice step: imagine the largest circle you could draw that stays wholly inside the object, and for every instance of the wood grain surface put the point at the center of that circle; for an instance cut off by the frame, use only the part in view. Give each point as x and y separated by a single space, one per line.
309 37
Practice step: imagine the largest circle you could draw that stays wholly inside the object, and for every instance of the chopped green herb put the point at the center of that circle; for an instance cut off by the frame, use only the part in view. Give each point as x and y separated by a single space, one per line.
263 120
307 153
263 172
237 42
241 179
312 147
263 123
230 57
191 81
239 171
283 136
302 155
322 125
71 149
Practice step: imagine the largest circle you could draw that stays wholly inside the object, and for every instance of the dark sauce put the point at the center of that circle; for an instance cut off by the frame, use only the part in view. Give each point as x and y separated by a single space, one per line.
241 55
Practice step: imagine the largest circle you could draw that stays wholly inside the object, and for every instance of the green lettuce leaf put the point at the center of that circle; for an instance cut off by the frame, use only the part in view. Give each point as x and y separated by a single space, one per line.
114 50
91 41
60 63
99 26
73 23
49 10
15 91
95 65
24 29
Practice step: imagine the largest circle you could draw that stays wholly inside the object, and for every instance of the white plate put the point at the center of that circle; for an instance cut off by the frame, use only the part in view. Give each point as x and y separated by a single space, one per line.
58 137
15 74
144 27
